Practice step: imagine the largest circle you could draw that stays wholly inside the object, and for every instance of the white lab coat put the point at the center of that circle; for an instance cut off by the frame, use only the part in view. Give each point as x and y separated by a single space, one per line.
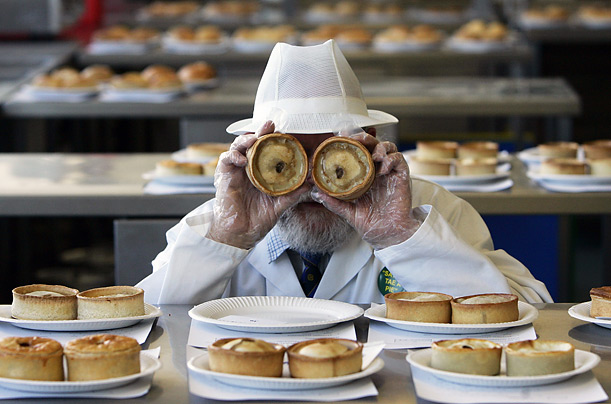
452 252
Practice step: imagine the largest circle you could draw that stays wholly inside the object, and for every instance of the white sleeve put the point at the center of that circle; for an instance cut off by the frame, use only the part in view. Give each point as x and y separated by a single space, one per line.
191 269
452 252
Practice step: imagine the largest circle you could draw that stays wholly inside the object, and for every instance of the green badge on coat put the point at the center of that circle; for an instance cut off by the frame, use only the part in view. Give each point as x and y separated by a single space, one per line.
387 283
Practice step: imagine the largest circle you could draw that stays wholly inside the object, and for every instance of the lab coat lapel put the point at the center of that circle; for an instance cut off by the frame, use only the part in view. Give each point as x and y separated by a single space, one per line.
344 265
279 273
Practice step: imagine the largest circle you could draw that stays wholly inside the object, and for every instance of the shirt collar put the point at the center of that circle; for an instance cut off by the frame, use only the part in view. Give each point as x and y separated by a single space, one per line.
275 245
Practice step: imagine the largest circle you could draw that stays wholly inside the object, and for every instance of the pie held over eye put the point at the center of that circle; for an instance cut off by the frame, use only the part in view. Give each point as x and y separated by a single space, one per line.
246 356
343 168
601 302
111 302
102 356
539 357
44 302
428 307
469 355
325 357
485 309
31 358
277 164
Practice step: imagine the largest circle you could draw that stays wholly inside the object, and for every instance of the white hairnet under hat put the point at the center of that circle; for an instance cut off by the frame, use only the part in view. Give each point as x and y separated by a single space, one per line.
309 89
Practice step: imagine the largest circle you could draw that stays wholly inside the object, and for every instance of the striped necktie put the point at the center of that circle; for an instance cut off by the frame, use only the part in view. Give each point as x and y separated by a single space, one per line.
310 277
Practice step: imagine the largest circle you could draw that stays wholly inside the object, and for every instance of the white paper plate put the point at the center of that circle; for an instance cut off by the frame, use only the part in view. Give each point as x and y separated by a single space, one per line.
449 180
78 325
172 45
584 361
404 46
181 157
121 47
148 366
274 314
566 179
581 312
58 94
199 365
502 157
143 94
528 314
465 45
180 179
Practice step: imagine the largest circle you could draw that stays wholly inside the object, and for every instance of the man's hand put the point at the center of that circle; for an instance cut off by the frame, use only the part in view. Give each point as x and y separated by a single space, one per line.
383 215
243 215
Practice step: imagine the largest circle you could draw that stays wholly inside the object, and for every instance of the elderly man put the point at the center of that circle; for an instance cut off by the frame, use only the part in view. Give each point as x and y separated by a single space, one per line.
404 233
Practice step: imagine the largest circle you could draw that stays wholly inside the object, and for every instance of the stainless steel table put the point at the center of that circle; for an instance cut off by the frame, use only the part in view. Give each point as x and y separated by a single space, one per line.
111 185
393 382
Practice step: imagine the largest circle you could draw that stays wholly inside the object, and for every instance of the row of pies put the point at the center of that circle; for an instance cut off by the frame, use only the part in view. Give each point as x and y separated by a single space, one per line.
476 30
562 158
432 307
94 357
153 77
446 158
316 358
483 357
40 302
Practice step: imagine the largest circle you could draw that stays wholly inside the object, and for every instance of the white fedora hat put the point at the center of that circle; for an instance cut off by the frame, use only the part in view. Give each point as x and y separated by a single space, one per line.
309 89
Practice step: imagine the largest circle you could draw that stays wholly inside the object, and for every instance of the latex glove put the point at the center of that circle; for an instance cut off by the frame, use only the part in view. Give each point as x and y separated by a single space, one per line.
382 215
243 215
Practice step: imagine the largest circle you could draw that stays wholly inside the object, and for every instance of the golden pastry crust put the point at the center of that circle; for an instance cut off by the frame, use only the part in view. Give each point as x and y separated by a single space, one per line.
478 150
277 164
476 166
102 356
97 73
597 149
467 355
171 168
558 149
325 357
195 72
343 168
601 302
111 302
600 167
430 166
428 307
539 357
485 308
31 302
31 358
246 356
564 166
436 149
207 149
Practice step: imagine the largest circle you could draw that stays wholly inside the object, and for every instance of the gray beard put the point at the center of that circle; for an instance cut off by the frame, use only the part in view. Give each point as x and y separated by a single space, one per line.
313 230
